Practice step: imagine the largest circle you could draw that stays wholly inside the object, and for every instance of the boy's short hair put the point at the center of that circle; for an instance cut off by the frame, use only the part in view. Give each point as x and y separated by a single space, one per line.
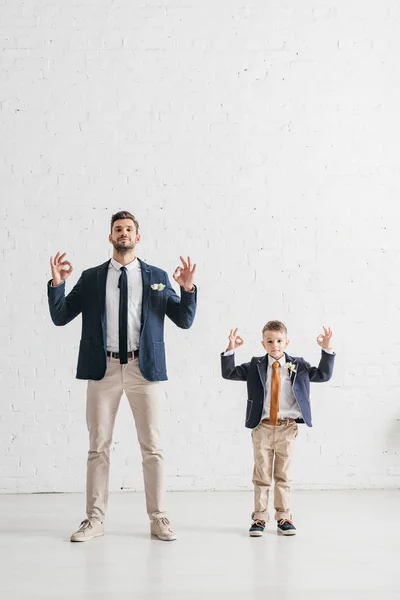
275 326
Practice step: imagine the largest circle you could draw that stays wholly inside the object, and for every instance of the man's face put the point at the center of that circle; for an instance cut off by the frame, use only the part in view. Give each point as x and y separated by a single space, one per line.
124 236
275 343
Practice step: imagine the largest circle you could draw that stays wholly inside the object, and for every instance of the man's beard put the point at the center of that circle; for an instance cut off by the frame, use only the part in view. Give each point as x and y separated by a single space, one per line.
123 249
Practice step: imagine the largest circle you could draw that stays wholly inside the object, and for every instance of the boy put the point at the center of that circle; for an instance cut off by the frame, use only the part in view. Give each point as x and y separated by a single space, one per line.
278 387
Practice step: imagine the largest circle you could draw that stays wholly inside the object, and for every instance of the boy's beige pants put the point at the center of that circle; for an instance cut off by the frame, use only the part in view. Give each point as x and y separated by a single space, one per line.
273 448
103 398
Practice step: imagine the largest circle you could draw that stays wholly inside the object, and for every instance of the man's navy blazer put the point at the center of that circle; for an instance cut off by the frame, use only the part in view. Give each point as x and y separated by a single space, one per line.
89 298
255 373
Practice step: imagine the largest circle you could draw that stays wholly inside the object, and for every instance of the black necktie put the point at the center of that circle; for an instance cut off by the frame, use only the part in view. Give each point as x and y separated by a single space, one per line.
123 316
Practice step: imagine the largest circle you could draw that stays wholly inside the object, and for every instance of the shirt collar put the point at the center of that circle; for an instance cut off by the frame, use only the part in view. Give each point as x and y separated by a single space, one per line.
282 360
135 264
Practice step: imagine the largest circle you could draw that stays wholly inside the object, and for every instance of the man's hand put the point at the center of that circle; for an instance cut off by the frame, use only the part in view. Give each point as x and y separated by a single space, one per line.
234 340
184 276
324 339
60 269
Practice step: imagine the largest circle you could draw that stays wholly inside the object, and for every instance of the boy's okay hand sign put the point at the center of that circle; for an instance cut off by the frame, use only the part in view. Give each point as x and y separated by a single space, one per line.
324 339
234 340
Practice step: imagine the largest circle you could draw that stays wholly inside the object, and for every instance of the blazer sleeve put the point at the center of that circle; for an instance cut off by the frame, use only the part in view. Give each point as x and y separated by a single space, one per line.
64 308
181 310
324 370
229 371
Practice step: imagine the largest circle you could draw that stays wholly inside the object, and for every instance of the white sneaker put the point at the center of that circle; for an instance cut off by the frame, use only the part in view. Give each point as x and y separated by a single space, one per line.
88 530
161 528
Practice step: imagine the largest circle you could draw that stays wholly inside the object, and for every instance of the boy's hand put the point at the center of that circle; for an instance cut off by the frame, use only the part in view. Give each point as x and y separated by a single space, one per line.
324 339
234 340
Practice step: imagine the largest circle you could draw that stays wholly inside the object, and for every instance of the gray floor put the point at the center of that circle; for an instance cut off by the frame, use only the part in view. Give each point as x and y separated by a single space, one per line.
347 547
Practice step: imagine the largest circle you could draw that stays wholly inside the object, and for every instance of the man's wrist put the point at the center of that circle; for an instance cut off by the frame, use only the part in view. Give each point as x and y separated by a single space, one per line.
188 290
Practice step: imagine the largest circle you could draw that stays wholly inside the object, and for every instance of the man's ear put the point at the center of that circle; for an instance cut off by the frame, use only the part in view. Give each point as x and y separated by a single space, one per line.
110 238
137 238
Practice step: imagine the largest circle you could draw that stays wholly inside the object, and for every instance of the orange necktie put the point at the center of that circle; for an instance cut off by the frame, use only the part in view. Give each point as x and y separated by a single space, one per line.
275 385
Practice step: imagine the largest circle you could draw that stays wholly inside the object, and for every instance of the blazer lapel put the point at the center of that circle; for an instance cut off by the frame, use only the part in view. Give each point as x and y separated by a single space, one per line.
146 281
292 374
262 369
102 272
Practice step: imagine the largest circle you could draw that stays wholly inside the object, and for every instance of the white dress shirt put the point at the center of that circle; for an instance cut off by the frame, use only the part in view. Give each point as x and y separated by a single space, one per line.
135 290
288 407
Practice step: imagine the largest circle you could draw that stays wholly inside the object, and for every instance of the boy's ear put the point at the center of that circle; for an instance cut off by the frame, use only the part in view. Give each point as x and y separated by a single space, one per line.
262 344
287 343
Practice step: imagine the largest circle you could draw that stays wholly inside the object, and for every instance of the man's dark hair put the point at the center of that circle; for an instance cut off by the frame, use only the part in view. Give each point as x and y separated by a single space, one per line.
124 214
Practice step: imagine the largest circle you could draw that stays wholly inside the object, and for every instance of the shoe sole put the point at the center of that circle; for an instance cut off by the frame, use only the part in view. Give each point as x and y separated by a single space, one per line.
153 535
87 539
290 532
256 533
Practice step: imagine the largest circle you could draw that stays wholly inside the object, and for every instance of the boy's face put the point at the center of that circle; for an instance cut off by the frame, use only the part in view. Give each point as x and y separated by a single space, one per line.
275 343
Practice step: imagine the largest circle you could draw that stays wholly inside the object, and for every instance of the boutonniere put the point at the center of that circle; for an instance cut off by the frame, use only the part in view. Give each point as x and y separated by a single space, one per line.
291 367
157 286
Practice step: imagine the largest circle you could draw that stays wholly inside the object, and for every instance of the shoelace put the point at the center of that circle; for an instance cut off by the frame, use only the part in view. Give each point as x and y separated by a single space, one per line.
282 521
259 522
162 521
86 524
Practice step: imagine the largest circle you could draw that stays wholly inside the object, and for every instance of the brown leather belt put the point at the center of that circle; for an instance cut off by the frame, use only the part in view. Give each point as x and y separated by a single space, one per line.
279 422
134 354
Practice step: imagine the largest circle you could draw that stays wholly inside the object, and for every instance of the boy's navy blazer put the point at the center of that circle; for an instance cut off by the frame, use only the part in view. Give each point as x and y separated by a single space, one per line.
89 298
255 374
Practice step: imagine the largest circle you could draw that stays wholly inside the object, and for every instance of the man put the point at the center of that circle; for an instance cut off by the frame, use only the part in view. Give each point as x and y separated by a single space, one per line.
123 304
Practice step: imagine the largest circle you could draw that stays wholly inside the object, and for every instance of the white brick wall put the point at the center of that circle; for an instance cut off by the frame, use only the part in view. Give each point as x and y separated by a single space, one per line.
261 137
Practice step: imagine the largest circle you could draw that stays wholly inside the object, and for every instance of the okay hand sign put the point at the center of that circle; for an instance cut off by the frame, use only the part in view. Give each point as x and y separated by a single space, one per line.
234 340
184 276
60 269
324 339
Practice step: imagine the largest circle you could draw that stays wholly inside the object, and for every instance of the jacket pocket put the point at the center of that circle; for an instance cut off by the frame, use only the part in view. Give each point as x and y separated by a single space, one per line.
156 299
159 356
248 409
86 353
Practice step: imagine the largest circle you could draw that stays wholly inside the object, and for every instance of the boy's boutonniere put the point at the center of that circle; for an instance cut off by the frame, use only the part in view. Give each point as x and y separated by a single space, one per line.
291 367
157 286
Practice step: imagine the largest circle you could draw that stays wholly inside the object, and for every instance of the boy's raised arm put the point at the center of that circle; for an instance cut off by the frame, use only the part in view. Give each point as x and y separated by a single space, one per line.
228 369
324 370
